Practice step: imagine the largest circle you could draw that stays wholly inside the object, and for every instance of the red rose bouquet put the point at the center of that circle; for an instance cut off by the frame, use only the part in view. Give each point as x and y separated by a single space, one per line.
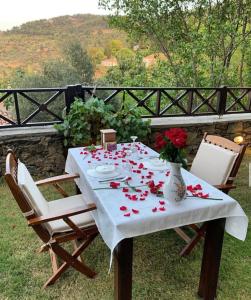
171 144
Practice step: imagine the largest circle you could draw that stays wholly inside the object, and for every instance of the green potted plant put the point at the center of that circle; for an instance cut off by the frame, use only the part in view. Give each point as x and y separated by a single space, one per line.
81 126
128 122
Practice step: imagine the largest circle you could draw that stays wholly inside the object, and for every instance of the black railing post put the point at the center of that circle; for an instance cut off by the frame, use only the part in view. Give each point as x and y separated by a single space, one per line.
222 100
158 102
71 92
190 101
17 108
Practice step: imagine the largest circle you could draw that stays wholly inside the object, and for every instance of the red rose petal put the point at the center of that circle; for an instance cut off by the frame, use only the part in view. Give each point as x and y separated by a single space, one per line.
197 187
205 196
154 209
161 202
123 208
134 197
114 185
127 215
162 208
135 211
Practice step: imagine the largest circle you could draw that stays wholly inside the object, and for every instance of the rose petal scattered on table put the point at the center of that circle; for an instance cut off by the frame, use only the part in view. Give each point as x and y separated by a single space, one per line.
123 208
127 215
114 184
135 211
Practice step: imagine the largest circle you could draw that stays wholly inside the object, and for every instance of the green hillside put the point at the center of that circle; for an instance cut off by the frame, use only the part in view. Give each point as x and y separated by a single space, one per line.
32 43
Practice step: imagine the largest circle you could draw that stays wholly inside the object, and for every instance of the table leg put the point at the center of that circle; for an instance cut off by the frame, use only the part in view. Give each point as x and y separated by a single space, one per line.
211 259
123 255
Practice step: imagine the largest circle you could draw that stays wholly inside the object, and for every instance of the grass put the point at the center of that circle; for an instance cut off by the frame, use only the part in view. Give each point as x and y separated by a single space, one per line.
159 273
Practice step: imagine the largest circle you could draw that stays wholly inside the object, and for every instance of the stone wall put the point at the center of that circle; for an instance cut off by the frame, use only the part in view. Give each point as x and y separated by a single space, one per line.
42 152
41 149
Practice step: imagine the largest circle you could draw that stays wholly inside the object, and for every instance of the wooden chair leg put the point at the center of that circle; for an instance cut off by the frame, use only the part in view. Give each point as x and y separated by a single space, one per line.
182 234
189 247
71 260
76 243
60 190
54 261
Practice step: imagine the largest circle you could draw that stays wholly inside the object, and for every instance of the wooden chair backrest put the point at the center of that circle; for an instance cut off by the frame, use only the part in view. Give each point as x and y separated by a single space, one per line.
230 145
27 210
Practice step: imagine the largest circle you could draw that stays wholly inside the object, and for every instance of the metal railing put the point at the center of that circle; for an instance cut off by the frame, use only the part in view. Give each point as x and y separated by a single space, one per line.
44 106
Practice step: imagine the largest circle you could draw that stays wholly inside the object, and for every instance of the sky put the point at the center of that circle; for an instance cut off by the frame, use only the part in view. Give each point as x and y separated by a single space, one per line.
16 12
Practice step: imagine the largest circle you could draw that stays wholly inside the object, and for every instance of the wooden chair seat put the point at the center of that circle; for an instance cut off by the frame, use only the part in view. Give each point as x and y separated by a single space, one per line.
55 222
217 162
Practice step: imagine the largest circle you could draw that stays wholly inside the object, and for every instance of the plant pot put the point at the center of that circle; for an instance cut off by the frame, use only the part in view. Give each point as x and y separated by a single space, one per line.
174 189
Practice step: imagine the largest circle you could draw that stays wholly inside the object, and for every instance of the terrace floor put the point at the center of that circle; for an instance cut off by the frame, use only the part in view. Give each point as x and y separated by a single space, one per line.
159 273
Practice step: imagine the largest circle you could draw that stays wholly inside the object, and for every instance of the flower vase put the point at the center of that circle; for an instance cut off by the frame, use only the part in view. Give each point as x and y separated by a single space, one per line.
174 189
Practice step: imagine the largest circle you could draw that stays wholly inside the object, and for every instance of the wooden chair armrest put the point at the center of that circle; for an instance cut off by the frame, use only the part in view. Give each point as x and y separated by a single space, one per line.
56 179
225 186
62 215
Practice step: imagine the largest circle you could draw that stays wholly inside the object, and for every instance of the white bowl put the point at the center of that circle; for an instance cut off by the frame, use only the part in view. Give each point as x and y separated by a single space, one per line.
105 169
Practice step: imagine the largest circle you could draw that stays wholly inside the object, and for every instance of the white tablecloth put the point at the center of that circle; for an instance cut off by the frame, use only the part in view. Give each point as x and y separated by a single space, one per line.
114 226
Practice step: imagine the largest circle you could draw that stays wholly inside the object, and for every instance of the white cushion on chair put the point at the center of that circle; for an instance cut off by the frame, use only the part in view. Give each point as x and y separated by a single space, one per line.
45 208
29 187
64 204
213 163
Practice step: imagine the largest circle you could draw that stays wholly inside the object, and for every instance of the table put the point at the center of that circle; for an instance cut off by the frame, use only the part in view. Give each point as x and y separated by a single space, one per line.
118 230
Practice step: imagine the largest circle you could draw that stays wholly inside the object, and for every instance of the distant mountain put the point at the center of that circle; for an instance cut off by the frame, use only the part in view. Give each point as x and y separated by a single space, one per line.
32 43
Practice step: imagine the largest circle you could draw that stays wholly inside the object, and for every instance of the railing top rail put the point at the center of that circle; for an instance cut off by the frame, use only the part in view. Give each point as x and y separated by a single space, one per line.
148 88
119 88
33 90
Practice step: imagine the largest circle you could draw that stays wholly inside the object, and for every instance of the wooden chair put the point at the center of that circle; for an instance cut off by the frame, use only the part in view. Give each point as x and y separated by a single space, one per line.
217 162
55 222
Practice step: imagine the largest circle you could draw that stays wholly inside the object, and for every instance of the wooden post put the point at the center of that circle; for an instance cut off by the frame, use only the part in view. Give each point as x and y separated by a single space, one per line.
71 92
123 255
221 100
211 259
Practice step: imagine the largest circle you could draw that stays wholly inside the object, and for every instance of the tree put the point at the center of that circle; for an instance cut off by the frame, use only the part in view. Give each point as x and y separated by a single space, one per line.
199 38
113 47
130 71
80 61
125 57
97 54
54 74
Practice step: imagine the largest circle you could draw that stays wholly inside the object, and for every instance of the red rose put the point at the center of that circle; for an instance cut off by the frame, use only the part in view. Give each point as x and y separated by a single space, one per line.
160 143
177 136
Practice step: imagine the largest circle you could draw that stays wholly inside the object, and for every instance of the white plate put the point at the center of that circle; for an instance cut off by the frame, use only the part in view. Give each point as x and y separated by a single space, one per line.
156 164
95 174
105 169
